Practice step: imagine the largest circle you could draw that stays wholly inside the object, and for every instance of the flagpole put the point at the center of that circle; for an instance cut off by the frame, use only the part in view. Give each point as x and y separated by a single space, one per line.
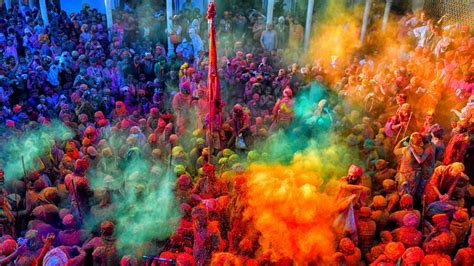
213 78
211 13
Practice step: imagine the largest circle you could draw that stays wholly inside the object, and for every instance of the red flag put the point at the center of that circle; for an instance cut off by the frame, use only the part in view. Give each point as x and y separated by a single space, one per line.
214 88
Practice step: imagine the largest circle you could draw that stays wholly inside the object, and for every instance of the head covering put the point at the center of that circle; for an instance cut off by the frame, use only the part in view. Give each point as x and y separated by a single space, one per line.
184 181
80 166
184 259
120 108
68 220
10 123
461 215
369 143
346 245
173 138
208 168
287 92
394 250
92 151
128 261
380 164
441 220
386 236
365 212
410 219
55 257
355 170
238 107
379 201
413 255
177 151
406 201
8 247
107 228
179 169
16 108
389 184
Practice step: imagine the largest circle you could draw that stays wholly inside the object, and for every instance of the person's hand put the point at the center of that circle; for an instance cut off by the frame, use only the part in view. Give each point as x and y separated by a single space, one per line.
49 238
21 249
443 197
367 190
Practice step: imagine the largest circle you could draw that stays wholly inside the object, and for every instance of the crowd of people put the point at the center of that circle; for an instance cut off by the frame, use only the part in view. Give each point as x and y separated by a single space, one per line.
406 199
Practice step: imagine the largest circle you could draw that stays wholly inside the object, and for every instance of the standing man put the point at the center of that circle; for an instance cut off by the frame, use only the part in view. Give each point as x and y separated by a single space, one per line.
268 39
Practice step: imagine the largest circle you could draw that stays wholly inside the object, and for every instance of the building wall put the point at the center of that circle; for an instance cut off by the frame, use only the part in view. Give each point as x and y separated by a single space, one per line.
76 5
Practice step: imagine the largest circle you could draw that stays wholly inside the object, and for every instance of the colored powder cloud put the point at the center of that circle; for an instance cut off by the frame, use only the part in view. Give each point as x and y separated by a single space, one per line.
144 206
291 203
30 145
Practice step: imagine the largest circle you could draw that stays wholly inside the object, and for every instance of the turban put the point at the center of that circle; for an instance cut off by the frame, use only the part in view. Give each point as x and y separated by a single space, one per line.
388 184
68 220
406 201
346 245
379 201
355 170
208 168
92 151
365 212
107 227
227 152
413 255
441 219
380 164
179 169
81 166
173 138
394 250
410 219
184 181
17 108
8 247
55 257
386 236
461 215
177 150
184 259
287 92
10 123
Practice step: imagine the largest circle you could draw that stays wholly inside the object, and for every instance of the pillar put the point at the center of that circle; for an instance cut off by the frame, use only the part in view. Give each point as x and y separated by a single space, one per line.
388 6
365 20
309 18
169 14
270 5
44 12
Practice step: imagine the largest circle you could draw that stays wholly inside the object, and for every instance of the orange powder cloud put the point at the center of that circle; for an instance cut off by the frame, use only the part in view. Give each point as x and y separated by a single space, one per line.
291 208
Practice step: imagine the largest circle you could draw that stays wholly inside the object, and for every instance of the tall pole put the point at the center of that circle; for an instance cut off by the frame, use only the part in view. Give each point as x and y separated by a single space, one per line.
388 6
108 14
365 20
214 89
169 14
44 12
270 5
309 18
